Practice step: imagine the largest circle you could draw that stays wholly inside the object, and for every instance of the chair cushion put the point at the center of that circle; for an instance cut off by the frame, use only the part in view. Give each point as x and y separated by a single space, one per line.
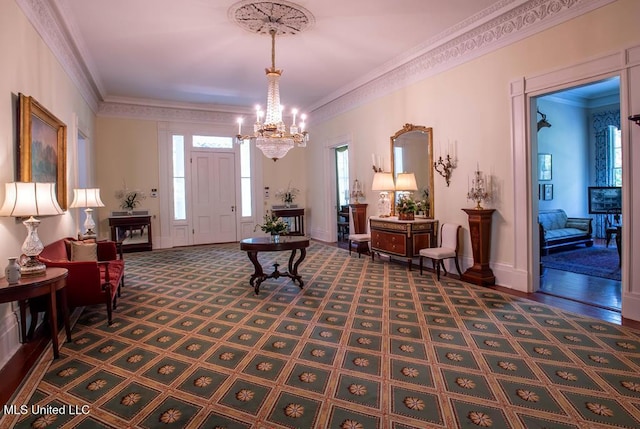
84 251
359 237
438 252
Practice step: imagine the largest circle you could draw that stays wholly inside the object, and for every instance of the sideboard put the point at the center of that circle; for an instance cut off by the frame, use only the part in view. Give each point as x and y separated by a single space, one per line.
132 231
401 238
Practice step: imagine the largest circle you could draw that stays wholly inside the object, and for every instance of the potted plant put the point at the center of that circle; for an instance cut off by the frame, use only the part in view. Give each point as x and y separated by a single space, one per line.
406 208
273 224
129 200
288 195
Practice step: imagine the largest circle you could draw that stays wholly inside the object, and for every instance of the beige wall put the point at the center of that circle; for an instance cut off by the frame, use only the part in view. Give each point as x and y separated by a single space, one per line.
127 154
30 68
470 105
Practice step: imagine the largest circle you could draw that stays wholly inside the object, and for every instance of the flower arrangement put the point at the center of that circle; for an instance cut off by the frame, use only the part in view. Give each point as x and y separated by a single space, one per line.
406 207
288 195
129 200
273 224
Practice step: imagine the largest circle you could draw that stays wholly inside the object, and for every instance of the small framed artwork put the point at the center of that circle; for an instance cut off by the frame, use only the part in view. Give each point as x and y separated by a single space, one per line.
42 150
544 166
547 191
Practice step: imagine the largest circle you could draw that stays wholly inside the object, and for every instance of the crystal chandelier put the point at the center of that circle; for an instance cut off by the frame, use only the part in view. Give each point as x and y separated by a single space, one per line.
270 133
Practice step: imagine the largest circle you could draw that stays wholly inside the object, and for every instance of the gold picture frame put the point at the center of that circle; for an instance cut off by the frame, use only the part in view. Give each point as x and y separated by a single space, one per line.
42 150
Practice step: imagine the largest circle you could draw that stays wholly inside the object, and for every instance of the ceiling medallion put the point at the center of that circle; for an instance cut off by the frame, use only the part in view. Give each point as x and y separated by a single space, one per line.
270 134
262 16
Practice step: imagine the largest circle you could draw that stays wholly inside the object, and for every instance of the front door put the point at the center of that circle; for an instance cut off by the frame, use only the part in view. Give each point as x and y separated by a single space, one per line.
213 197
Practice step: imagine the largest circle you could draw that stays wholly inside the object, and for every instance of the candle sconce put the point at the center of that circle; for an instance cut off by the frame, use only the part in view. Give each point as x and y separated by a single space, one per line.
444 167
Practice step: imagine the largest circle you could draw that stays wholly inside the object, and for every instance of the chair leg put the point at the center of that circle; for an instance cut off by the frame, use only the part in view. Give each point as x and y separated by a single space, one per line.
350 249
443 267
437 267
457 266
421 257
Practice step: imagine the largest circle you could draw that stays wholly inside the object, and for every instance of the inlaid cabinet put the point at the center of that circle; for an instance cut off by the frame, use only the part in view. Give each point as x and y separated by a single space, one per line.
402 238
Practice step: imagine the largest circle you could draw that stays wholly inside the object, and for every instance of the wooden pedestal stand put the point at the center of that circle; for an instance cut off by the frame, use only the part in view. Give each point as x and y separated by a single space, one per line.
480 228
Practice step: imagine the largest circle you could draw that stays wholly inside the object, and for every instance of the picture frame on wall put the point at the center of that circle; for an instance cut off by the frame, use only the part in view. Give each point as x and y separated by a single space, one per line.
544 166
42 149
548 192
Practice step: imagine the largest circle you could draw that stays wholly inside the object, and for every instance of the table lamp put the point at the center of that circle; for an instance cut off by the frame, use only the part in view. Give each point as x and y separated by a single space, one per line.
87 198
29 199
383 182
406 182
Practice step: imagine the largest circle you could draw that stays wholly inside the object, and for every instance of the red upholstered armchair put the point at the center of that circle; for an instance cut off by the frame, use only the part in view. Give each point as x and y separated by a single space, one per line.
89 282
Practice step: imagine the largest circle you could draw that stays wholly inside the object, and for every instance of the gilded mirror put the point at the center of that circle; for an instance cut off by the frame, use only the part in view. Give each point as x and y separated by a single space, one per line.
412 152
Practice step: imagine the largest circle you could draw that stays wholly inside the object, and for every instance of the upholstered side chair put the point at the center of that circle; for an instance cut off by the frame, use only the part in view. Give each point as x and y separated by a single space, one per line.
449 246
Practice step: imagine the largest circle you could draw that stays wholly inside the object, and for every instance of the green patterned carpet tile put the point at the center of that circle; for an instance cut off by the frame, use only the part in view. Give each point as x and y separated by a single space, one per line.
365 345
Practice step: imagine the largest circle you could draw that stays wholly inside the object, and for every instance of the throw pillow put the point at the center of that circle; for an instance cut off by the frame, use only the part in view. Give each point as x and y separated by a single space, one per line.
84 251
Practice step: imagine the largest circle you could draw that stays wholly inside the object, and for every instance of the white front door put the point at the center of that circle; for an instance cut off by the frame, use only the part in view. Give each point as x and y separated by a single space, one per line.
213 192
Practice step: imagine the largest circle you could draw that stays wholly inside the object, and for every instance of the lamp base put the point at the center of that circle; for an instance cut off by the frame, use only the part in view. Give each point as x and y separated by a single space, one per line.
32 267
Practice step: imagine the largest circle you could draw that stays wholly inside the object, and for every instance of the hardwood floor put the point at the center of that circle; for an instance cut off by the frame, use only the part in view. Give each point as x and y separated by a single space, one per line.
590 290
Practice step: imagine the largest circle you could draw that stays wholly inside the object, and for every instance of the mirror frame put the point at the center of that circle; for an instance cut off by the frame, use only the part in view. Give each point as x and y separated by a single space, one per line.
407 128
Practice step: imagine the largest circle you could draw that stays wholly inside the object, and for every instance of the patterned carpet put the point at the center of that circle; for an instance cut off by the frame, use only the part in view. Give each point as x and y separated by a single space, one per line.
364 345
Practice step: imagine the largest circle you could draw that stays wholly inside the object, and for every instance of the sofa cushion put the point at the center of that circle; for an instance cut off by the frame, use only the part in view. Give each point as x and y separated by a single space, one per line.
553 219
555 234
84 251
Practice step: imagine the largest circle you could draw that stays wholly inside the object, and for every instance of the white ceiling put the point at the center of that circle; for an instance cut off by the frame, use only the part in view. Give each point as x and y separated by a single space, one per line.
188 51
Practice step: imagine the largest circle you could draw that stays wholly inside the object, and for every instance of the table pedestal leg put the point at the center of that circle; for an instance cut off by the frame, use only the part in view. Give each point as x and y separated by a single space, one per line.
293 267
258 273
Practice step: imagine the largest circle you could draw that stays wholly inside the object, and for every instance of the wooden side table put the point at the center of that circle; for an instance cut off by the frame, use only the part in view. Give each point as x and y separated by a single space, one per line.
54 279
480 272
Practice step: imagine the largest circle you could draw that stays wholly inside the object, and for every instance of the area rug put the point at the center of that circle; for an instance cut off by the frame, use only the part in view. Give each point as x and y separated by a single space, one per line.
364 345
597 261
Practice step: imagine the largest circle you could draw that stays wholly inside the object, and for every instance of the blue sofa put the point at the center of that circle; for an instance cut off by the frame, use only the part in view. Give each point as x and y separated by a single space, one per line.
559 230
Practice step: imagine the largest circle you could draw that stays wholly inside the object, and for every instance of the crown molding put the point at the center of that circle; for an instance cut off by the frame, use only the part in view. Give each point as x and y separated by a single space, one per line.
524 20
506 22
46 21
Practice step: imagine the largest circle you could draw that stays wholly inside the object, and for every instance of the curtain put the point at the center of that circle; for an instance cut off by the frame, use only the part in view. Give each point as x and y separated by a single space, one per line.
602 121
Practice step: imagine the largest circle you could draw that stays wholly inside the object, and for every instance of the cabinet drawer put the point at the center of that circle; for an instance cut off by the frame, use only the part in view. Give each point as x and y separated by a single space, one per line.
389 242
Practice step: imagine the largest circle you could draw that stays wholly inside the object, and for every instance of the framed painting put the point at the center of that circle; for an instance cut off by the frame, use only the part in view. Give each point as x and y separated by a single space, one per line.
544 166
42 150
548 192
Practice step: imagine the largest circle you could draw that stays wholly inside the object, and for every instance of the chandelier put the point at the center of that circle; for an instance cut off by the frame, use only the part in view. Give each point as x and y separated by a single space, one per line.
270 133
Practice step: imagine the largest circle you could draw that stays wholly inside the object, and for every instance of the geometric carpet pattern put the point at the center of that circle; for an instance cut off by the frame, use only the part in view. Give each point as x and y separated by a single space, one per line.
364 345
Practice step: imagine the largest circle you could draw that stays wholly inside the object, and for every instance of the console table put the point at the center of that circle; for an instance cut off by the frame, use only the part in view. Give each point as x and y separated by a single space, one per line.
401 238
28 287
295 218
133 231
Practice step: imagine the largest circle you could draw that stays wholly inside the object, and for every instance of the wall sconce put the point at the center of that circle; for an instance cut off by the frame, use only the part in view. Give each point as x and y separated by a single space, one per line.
635 118
444 167
543 123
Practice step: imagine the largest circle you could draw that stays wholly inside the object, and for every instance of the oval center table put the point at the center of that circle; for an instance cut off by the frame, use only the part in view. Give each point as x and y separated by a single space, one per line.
267 244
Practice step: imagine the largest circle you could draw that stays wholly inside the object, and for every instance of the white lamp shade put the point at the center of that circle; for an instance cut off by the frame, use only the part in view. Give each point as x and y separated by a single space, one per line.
382 182
24 199
89 197
406 182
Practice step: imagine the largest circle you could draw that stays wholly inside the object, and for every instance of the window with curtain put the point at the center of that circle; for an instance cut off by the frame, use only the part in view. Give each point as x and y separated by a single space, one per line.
342 175
608 156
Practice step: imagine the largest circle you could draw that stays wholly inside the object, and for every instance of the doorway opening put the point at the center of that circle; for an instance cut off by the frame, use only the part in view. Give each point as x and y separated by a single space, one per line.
342 192
578 149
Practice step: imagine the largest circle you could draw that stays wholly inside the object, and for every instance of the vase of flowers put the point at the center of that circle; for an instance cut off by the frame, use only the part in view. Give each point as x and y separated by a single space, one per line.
406 208
288 195
273 225
129 200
